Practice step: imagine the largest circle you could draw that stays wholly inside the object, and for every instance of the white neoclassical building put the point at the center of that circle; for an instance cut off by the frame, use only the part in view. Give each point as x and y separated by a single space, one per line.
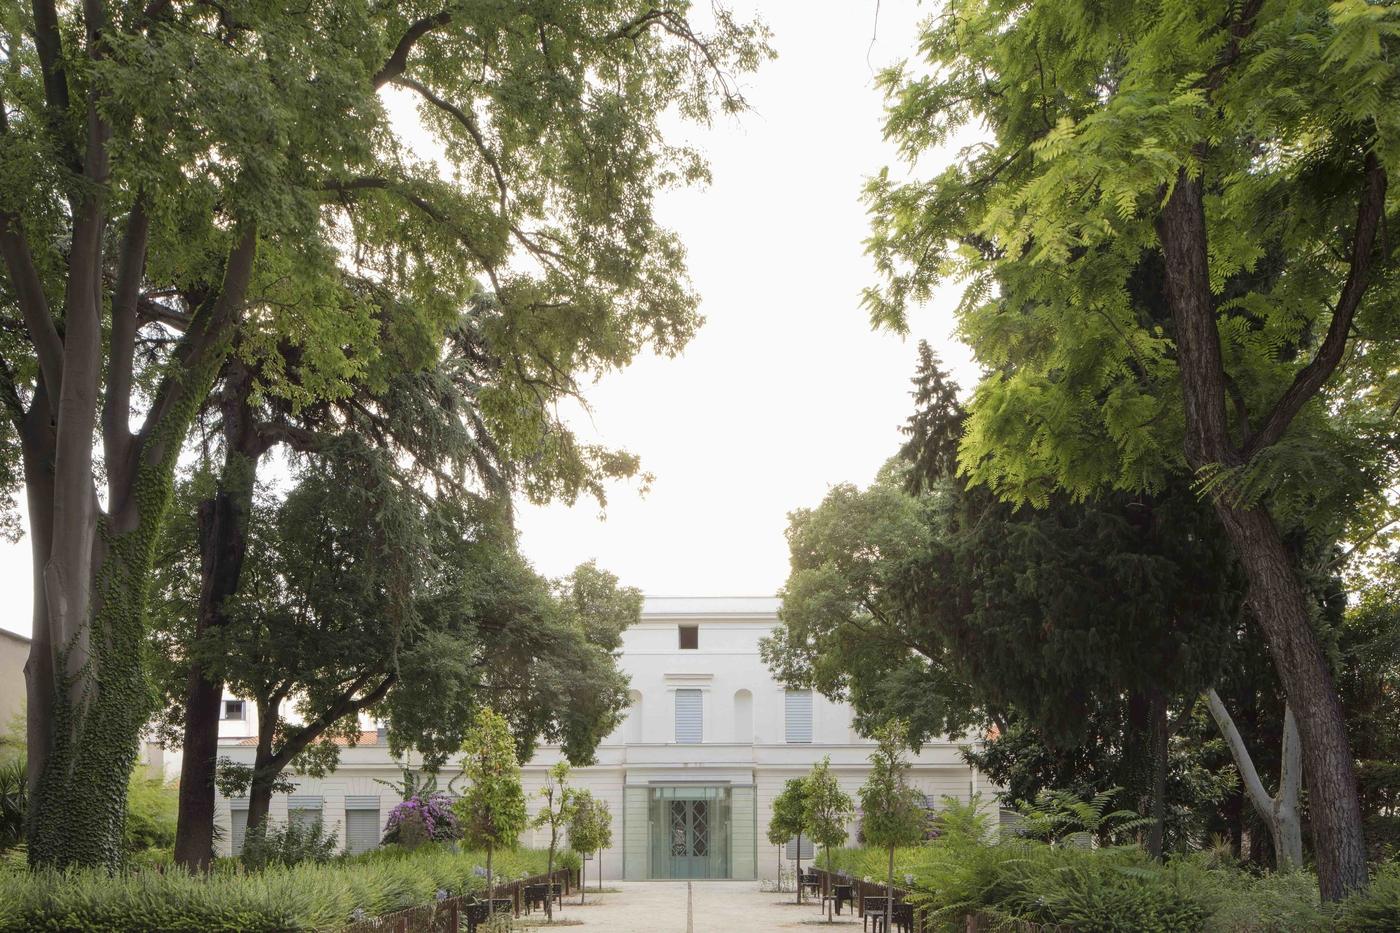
709 740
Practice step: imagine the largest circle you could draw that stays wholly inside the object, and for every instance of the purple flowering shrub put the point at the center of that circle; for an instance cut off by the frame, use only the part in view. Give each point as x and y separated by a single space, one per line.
422 818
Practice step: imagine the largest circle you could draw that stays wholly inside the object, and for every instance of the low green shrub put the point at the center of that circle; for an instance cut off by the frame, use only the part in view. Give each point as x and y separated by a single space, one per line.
305 897
151 808
288 844
1378 908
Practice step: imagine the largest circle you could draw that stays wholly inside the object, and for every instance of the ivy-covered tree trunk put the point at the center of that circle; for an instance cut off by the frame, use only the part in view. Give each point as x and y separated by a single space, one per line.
223 543
86 666
1276 591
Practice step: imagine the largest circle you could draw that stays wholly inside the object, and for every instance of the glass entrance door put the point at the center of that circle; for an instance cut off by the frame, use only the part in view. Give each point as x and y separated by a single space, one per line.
690 838
689 832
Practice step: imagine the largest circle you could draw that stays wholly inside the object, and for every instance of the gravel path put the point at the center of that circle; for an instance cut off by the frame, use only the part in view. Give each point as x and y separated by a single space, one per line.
704 907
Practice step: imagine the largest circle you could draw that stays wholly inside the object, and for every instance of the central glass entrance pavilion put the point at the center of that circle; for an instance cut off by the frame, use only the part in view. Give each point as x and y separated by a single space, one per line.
692 831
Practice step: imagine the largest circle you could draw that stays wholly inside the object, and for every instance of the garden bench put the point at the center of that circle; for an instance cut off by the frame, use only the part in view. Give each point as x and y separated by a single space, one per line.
539 894
841 893
477 912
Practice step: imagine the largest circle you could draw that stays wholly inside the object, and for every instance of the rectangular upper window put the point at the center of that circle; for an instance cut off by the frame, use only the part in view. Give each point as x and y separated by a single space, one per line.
690 723
233 709
690 637
798 707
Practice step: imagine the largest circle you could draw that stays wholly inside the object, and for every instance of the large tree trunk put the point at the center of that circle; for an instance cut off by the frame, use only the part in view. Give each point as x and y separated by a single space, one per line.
1276 591
1159 741
223 544
265 770
38 670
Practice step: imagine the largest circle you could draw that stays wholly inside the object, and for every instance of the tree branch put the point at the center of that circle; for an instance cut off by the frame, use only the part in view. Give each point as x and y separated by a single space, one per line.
398 61
473 129
345 705
206 336
1310 378
34 305
1263 803
116 405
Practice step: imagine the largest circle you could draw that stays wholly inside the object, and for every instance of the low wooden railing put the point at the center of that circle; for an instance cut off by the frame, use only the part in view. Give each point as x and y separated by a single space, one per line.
454 914
861 889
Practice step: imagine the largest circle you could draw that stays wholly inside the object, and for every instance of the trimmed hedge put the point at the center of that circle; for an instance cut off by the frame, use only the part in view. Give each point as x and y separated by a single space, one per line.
304 897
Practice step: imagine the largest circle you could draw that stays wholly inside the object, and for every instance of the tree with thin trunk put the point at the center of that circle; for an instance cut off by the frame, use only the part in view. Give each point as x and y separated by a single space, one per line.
590 832
1143 303
184 184
1279 812
557 810
892 812
827 811
492 810
788 823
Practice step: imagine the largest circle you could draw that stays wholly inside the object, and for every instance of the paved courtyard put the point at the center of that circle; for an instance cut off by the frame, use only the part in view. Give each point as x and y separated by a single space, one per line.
700 907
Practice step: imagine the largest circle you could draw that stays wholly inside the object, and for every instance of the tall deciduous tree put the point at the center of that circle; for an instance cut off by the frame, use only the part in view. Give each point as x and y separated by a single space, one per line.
892 812
182 182
492 809
826 811
1172 238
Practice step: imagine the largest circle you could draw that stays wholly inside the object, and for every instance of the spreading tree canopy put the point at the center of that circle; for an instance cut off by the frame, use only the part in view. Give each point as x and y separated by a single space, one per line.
185 184
1172 238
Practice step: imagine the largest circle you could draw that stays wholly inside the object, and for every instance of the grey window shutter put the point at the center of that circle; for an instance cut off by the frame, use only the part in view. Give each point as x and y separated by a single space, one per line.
304 809
239 830
361 830
808 849
690 728
799 715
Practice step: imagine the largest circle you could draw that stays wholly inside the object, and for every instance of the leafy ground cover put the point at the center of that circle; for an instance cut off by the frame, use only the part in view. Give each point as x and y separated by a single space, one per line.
1010 881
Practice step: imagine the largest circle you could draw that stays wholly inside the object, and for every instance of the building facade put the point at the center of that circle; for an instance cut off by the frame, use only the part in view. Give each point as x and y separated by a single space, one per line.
14 654
709 740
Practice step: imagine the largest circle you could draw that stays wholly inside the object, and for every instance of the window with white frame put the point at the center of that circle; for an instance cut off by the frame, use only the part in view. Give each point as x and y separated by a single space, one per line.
798 707
690 721
234 709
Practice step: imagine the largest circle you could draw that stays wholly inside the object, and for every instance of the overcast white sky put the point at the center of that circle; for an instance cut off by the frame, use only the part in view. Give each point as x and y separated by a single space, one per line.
786 390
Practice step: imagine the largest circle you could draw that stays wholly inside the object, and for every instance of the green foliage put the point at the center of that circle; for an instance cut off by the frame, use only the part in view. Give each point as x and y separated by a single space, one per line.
966 871
891 810
1058 816
14 802
789 813
151 806
492 809
1375 909
590 830
307 897
826 808
243 192
288 844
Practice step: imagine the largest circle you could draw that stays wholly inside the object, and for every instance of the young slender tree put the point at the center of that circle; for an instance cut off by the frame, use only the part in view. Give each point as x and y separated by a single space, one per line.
492 810
590 831
891 810
788 823
827 810
1142 303
557 810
